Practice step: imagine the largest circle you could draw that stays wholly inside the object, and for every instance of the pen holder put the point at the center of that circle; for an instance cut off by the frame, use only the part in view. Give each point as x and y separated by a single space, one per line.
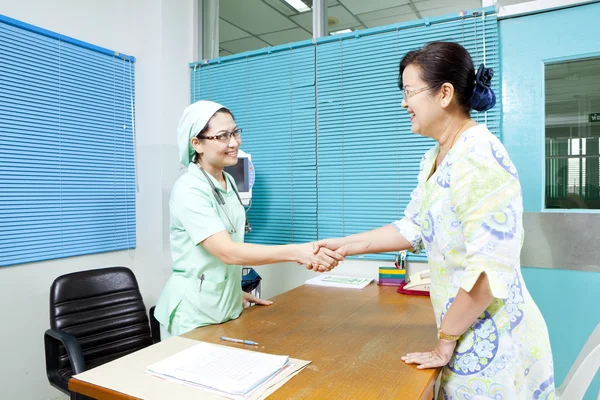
390 276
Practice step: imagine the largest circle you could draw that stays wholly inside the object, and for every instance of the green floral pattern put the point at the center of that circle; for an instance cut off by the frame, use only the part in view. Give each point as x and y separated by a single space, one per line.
468 218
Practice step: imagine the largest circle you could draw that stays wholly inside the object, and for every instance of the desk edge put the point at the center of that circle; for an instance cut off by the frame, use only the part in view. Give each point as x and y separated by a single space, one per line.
96 391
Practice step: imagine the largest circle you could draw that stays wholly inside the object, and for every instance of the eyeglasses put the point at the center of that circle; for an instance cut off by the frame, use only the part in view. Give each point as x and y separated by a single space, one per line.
409 93
225 137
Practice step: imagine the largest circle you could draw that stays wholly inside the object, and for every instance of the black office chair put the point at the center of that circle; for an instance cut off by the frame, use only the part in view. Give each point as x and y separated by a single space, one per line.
154 326
95 317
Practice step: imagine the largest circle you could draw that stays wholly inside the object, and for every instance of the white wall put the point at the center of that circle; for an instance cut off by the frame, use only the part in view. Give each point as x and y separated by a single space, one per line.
160 34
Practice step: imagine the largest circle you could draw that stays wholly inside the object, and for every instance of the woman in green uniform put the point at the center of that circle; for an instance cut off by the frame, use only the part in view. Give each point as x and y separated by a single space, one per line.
207 229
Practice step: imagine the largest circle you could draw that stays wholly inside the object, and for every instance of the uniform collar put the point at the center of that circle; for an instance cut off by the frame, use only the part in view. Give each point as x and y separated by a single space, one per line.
195 171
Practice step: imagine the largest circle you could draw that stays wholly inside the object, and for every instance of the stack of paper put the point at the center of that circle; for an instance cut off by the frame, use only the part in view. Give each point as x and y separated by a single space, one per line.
229 372
339 281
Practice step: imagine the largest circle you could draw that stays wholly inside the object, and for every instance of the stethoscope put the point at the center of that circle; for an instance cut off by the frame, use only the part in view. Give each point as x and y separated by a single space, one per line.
221 202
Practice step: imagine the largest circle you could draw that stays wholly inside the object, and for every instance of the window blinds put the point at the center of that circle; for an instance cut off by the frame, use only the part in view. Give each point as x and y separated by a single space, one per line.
67 176
368 158
272 96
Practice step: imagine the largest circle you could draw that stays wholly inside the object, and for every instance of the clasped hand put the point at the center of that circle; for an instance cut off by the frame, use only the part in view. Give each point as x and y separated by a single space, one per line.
326 254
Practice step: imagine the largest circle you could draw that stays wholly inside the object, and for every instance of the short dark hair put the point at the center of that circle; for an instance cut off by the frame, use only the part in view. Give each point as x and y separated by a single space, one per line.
441 62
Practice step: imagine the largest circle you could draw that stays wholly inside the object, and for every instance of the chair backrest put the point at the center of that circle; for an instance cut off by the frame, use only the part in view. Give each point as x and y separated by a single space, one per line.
104 310
583 370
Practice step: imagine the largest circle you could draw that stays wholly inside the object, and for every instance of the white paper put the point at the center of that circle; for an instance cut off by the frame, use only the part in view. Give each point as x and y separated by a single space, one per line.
129 375
224 369
274 380
340 281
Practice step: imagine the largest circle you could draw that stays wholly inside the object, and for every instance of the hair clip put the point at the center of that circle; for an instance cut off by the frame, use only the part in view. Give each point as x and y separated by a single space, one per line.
483 97
484 75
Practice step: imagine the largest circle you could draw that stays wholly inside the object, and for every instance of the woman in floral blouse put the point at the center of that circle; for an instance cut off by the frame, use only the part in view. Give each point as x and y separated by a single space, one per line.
466 212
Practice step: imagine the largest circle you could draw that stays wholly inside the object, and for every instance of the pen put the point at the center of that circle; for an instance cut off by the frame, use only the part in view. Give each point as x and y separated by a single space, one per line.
228 339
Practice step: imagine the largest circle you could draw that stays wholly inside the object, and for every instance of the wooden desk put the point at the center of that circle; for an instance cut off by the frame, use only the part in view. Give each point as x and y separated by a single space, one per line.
354 339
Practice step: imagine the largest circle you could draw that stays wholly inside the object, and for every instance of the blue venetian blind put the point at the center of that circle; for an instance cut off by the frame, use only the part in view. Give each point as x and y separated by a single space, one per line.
368 159
67 176
272 96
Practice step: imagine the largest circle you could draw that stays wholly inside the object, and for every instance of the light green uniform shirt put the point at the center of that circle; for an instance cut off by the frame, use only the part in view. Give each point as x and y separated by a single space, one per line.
188 302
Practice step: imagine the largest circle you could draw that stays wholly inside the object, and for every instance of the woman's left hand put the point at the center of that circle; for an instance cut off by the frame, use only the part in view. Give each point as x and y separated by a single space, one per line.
247 299
439 357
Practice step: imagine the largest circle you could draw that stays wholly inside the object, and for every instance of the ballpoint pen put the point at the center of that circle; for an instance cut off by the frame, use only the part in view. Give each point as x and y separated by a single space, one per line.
228 339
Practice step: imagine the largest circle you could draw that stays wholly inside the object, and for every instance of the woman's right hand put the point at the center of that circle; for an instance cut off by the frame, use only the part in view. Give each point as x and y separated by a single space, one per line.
328 245
322 260
335 244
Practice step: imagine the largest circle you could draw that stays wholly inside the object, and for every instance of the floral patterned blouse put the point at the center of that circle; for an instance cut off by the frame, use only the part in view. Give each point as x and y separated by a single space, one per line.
468 217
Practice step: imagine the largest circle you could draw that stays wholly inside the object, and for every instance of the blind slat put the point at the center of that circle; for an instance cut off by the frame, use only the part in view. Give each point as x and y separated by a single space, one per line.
366 160
274 102
75 194
366 175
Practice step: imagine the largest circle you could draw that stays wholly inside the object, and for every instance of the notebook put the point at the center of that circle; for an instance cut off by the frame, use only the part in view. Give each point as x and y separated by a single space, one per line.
348 282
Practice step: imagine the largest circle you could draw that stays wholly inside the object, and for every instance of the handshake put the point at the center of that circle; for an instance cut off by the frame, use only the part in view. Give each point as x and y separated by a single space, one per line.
323 255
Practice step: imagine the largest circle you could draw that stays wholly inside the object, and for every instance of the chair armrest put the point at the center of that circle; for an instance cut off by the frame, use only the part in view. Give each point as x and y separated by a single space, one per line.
154 326
52 339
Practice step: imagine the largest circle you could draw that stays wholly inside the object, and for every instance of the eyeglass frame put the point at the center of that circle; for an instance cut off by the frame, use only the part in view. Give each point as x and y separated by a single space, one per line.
410 93
228 134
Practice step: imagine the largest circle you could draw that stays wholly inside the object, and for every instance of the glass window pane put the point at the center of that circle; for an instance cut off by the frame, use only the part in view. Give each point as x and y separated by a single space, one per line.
254 24
245 25
374 13
572 134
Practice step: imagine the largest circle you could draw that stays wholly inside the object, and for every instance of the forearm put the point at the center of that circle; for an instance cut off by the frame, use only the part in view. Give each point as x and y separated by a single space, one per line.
254 254
467 307
380 240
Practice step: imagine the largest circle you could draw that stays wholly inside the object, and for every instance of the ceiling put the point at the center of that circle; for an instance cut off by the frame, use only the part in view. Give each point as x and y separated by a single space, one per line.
572 92
253 24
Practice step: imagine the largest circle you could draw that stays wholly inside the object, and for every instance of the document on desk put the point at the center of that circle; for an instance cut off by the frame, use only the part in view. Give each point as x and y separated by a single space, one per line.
348 282
223 370
260 392
130 375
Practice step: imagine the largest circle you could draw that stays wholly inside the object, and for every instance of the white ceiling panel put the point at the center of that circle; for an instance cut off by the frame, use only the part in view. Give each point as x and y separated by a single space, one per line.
283 37
253 16
436 12
431 4
391 20
241 45
304 20
245 22
510 2
228 32
282 8
388 12
442 6
363 6
344 19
